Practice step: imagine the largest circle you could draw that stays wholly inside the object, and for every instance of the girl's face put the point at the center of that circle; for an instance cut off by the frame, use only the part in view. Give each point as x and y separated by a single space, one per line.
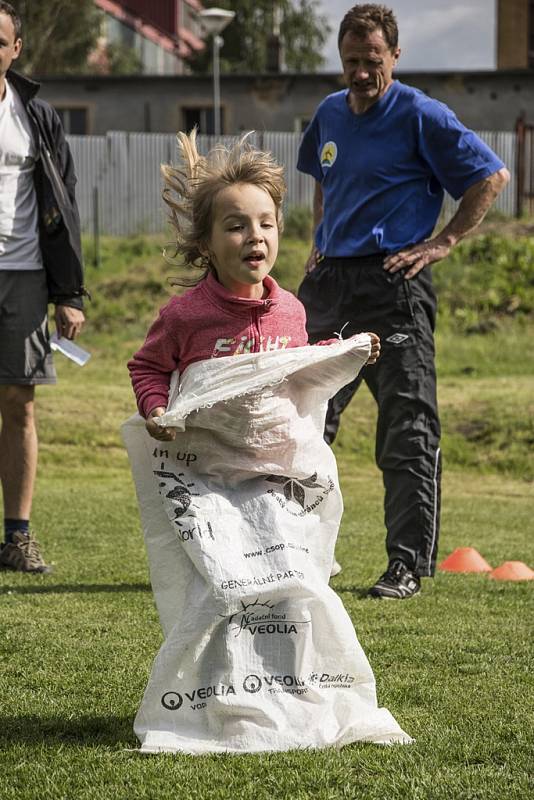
244 238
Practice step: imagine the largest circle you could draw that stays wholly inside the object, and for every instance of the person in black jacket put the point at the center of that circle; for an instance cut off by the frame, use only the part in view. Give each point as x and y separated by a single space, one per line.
40 262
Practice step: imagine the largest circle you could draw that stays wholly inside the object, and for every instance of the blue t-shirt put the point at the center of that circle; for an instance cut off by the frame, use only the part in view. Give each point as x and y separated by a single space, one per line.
383 172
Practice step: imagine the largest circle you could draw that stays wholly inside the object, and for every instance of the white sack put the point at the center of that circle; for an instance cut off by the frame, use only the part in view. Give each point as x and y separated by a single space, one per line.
240 515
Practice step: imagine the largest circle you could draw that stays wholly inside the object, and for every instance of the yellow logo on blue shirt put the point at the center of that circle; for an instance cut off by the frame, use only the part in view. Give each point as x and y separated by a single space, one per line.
328 154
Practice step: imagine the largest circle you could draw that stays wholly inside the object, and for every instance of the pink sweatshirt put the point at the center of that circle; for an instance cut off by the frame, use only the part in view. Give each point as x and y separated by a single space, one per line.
209 322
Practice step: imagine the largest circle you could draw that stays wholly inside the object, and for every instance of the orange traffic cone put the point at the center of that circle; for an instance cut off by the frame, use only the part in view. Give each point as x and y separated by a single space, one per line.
513 571
465 559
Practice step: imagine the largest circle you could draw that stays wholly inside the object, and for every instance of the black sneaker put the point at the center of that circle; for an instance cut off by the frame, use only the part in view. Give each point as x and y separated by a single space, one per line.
397 583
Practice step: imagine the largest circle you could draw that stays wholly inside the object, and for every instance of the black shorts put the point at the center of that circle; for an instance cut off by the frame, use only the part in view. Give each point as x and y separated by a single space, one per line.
25 355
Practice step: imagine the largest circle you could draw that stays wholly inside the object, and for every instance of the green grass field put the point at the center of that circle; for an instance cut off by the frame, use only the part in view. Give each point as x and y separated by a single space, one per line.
454 665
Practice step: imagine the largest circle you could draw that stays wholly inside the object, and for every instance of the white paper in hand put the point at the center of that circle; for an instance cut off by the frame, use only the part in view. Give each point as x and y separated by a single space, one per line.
69 349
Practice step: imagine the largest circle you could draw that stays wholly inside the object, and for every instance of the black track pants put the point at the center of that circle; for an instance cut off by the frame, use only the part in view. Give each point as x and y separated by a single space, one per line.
359 294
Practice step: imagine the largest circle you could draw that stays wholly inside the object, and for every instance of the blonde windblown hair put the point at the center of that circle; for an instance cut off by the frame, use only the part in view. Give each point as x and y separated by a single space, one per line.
191 188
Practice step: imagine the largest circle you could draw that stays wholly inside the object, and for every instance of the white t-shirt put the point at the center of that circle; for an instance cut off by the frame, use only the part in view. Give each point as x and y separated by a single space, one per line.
19 238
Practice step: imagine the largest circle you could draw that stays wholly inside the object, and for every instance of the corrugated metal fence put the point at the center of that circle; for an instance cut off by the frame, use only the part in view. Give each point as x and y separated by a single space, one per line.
525 168
119 184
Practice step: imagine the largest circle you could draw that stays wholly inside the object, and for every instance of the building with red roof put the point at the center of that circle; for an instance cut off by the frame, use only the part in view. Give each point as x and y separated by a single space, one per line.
163 34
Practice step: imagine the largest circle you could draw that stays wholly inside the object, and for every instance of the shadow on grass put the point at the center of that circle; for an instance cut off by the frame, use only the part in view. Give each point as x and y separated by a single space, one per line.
79 588
84 730
357 591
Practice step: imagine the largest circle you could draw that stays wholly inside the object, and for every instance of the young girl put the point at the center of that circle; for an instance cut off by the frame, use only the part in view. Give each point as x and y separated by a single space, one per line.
227 216
241 519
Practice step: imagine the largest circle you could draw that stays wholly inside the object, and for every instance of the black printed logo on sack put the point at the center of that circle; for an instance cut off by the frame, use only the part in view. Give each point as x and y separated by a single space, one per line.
172 486
300 495
198 698
397 338
172 701
275 684
261 618
188 458
325 680
252 684
262 580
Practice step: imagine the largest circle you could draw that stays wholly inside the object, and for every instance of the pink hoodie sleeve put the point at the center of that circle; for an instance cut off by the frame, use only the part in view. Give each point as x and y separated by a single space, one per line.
151 367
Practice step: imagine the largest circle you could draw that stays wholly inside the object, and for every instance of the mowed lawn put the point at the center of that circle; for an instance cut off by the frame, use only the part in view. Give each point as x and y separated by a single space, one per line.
453 665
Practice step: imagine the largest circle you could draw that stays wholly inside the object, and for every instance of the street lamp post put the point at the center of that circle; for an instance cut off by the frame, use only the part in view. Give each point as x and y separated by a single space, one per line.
218 42
214 21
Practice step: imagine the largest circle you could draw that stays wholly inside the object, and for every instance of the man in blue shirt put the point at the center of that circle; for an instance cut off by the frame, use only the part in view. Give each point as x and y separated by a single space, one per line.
382 154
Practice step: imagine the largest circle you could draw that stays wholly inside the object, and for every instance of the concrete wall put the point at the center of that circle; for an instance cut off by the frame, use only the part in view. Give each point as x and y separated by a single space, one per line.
482 100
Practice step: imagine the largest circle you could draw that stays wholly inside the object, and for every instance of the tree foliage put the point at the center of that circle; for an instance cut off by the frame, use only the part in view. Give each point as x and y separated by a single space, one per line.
57 35
123 59
303 34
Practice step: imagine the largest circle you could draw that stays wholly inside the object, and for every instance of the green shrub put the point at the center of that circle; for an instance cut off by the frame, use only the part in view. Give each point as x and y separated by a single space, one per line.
486 279
298 223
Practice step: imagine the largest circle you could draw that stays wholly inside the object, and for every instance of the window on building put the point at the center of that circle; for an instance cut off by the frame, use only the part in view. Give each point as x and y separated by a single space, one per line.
202 117
74 120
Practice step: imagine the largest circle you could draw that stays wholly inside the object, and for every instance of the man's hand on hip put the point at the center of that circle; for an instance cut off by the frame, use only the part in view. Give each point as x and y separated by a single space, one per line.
470 213
69 321
414 259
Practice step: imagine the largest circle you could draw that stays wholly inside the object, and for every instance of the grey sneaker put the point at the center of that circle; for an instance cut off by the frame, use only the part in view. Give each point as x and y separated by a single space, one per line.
23 555
397 583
